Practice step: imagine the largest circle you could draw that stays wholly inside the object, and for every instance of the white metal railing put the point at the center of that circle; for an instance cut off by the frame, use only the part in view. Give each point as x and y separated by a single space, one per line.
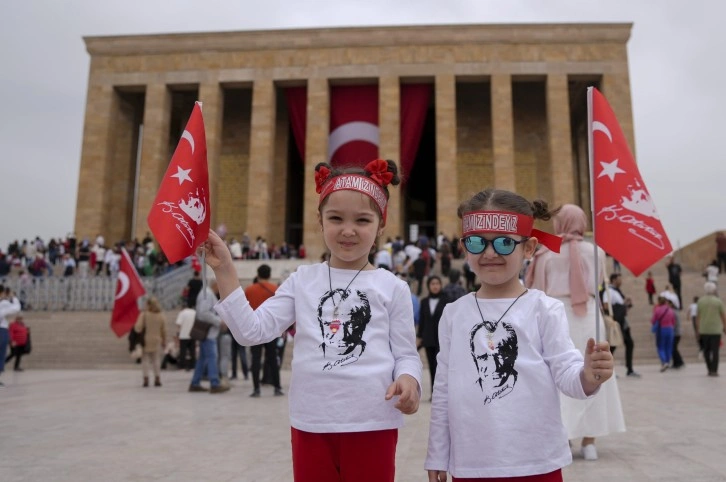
93 293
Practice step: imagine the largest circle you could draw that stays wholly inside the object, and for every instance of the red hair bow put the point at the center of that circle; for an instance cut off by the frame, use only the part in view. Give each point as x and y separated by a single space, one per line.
321 176
378 171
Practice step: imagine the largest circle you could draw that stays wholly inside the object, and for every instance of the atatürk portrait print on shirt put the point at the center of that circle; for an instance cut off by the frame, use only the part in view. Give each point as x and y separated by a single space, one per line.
343 316
494 350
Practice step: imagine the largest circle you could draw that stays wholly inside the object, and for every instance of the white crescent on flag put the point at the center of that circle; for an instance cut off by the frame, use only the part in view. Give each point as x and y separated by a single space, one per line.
352 131
599 126
188 136
123 280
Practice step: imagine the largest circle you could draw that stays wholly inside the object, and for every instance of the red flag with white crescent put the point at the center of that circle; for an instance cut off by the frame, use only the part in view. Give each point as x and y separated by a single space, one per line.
180 213
129 289
354 136
627 225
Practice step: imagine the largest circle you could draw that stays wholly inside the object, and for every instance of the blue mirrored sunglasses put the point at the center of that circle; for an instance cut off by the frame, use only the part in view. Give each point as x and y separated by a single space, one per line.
502 245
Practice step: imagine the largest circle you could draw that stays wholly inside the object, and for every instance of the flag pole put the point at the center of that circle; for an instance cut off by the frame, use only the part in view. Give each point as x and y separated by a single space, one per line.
204 251
591 164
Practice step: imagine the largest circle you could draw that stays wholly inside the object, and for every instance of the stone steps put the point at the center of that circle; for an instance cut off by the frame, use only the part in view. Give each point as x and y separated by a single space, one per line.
85 340
641 313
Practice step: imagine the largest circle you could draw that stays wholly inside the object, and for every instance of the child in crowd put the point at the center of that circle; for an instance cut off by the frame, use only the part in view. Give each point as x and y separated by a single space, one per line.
171 353
650 287
504 353
355 367
19 336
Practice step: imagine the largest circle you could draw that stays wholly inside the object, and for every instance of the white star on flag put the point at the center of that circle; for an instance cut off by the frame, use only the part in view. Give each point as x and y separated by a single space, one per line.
182 175
610 169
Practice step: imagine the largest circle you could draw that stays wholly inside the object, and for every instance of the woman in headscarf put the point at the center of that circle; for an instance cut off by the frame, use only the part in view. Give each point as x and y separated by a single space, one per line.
569 276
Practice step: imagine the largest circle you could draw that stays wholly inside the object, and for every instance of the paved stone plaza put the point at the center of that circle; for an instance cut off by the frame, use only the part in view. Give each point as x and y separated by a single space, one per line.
93 425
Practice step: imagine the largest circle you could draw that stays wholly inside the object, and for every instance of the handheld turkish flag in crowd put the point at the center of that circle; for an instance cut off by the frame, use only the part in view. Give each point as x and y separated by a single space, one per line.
627 225
180 215
128 290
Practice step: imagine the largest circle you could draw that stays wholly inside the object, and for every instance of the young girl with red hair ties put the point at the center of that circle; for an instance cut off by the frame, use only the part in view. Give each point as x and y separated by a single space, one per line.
355 368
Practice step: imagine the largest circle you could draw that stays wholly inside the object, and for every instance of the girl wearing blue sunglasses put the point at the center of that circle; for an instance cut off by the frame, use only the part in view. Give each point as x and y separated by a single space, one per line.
505 353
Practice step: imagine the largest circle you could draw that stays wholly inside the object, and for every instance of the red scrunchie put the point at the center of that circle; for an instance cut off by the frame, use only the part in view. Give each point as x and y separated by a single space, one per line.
378 171
321 177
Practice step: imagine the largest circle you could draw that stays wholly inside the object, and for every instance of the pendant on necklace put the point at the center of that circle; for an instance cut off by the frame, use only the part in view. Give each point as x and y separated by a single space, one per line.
490 342
335 323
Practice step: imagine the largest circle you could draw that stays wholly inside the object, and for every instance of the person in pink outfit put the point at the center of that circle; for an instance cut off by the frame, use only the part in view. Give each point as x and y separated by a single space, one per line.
663 324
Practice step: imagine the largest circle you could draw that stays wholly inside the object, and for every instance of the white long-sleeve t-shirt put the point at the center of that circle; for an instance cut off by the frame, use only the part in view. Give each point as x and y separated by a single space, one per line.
496 409
342 364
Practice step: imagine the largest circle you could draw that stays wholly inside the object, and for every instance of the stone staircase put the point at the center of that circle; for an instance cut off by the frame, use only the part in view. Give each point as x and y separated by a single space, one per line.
85 340
641 313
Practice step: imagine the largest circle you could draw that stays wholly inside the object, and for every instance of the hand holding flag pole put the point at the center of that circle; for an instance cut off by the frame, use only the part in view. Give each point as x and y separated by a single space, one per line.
625 222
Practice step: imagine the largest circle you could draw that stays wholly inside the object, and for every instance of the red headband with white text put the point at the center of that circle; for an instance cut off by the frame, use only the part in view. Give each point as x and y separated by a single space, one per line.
482 222
370 186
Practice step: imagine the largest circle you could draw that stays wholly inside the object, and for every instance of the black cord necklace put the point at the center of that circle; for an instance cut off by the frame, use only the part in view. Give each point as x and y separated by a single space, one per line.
330 282
490 333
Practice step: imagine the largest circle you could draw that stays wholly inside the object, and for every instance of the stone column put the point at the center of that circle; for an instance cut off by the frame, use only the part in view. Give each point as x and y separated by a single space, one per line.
560 140
212 99
96 155
316 149
503 132
389 124
262 152
155 155
447 191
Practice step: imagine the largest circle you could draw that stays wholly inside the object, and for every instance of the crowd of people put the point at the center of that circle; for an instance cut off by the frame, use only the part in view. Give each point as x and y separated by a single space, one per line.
70 257
214 357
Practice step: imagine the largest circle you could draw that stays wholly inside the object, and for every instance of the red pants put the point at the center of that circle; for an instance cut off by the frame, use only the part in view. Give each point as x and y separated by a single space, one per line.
555 476
344 457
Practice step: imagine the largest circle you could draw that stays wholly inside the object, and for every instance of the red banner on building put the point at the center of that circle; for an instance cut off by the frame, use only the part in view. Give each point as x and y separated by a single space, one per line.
354 126
354 135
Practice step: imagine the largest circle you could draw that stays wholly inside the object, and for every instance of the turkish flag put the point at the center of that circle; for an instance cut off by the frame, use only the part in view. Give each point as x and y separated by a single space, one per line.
627 225
180 214
354 135
128 290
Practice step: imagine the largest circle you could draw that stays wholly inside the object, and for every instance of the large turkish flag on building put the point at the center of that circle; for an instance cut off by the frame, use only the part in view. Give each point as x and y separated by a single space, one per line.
180 214
627 225
354 126
128 290
354 136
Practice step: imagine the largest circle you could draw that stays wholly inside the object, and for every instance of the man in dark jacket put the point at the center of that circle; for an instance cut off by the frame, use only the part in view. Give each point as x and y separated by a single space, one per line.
432 307
194 287
617 304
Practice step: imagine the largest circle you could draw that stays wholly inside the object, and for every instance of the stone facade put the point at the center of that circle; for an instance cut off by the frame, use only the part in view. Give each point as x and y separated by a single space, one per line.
508 107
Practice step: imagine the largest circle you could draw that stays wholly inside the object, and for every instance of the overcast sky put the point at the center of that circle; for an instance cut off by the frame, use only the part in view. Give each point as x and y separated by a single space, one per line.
676 59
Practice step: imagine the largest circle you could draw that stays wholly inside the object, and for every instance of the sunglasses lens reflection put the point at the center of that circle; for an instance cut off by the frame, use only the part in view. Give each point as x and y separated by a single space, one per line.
502 245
